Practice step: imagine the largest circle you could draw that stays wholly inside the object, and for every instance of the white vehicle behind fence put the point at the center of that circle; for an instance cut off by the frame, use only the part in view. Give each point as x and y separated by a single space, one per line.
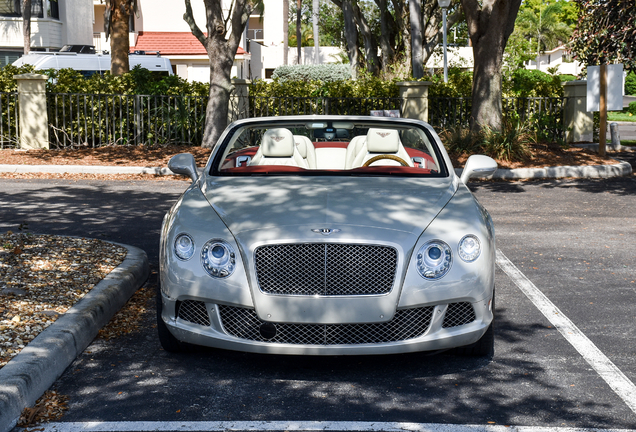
91 63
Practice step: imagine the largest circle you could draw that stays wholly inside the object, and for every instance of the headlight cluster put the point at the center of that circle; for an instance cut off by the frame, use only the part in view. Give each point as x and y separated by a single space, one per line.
217 256
434 259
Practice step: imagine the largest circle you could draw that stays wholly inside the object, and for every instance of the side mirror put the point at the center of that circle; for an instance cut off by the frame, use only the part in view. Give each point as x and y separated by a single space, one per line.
184 164
478 166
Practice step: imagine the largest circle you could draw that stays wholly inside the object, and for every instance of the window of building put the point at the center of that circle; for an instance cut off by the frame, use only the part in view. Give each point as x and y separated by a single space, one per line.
13 8
269 73
8 57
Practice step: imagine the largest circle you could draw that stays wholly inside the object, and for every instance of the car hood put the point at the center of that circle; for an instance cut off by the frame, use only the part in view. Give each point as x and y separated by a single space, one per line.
282 205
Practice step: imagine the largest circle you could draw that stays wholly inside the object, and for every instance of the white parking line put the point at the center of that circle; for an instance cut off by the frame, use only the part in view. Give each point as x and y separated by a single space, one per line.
612 375
139 426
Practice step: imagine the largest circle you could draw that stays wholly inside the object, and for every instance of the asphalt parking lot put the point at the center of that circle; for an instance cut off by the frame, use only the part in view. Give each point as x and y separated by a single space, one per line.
572 243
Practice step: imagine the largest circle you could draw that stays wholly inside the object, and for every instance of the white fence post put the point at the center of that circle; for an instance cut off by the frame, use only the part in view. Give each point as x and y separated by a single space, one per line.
579 124
414 96
34 123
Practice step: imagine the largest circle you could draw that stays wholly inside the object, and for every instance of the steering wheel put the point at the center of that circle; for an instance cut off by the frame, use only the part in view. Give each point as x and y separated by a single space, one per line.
385 156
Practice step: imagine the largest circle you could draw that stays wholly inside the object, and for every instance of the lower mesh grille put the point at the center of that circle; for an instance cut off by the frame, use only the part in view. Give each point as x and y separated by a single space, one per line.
194 312
458 314
406 324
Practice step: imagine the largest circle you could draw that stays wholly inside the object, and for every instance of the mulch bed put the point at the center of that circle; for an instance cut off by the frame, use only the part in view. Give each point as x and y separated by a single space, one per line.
158 156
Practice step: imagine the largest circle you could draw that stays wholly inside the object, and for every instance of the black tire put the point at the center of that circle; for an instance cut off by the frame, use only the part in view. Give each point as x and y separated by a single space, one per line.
168 341
485 346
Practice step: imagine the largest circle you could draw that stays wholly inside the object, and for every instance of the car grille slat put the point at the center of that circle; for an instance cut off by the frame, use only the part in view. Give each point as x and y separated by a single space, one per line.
406 324
326 269
458 314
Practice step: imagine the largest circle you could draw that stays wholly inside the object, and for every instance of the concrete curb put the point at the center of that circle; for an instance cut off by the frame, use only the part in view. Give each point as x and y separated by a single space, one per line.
85 169
620 168
30 373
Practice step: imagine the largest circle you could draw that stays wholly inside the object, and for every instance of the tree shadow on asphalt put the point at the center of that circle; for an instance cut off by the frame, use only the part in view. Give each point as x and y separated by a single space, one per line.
113 211
211 384
621 186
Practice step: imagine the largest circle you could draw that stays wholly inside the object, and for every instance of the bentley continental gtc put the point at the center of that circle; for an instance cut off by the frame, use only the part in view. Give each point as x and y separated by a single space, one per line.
328 235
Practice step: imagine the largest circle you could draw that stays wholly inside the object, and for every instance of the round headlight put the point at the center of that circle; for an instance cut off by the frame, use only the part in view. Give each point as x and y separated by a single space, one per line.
469 248
434 259
218 258
183 247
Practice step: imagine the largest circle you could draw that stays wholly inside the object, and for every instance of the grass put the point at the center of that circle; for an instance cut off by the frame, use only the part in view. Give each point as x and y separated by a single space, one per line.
620 116
628 142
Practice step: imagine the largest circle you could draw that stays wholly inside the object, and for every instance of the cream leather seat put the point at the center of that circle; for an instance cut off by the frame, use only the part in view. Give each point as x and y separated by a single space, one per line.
382 142
306 149
278 148
353 149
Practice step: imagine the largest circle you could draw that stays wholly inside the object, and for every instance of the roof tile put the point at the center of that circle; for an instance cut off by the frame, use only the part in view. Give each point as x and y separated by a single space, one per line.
172 43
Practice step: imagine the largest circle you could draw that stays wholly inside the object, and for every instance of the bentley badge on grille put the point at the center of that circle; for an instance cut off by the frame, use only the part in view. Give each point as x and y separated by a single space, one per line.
326 231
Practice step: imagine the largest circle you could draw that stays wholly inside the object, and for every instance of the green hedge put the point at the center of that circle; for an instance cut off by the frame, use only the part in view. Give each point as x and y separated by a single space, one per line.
630 84
137 81
534 83
365 87
325 73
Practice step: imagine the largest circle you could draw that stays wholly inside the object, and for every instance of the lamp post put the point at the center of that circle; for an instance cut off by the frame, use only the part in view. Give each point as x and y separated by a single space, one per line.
444 4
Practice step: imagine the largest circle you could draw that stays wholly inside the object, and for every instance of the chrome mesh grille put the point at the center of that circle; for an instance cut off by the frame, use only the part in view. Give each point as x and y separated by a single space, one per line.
194 312
329 269
406 324
458 314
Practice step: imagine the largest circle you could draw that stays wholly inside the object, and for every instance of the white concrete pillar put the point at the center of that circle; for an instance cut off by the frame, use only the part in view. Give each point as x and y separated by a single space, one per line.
34 123
579 124
414 96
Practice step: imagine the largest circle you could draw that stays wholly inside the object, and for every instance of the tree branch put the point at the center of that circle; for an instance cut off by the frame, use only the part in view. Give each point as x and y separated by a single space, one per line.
188 17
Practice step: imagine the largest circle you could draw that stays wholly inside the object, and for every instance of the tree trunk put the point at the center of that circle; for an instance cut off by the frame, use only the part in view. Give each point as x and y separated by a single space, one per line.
221 45
315 11
370 44
299 32
26 25
351 35
285 32
415 14
216 113
489 27
386 33
119 41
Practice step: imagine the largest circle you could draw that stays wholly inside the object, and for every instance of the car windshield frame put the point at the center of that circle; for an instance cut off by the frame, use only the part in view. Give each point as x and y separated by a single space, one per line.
219 155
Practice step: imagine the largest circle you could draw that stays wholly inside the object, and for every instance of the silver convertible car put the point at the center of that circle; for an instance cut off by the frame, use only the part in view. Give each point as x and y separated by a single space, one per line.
328 235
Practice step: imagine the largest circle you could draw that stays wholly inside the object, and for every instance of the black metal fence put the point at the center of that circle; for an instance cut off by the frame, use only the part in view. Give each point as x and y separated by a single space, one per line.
110 119
9 126
95 120
542 114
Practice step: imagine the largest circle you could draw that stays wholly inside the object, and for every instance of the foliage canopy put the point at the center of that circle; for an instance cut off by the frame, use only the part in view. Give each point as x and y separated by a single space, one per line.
605 32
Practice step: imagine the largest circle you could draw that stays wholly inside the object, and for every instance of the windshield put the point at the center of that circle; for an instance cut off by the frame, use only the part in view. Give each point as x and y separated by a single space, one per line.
329 148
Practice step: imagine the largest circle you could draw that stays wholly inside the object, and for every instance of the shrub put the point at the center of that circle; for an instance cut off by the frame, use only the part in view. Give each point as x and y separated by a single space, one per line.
365 87
324 73
459 140
7 82
630 84
460 84
632 108
511 143
534 83
137 81
566 77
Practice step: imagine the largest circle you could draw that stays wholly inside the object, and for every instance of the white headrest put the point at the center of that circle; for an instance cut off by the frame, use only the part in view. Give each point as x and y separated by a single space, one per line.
278 143
302 143
383 141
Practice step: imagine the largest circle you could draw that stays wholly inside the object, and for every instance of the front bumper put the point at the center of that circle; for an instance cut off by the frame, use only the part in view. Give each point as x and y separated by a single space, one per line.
425 328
